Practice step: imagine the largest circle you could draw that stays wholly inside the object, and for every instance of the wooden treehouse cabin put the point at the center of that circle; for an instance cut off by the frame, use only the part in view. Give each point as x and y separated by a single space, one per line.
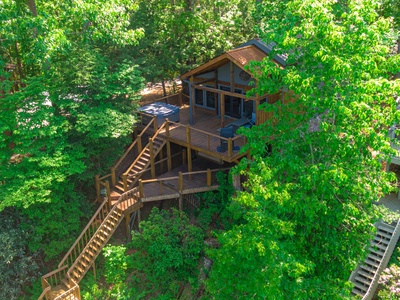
162 162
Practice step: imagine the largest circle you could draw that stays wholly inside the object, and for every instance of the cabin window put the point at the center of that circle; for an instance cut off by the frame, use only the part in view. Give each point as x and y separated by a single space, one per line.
205 98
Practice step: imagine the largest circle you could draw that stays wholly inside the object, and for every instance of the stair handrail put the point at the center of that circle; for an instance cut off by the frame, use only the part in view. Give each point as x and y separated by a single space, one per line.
114 208
83 232
383 263
43 294
144 148
45 282
127 151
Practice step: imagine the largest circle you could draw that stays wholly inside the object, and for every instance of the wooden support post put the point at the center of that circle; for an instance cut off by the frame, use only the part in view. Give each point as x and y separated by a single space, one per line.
189 157
180 182
127 223
108 195
152 166
113 177
97 183
191 101
230 147
232 76
169 158
162 160
180 99
184 157
208 177
139 144
180 202
125 181
236 182
222 110
141 192
94 269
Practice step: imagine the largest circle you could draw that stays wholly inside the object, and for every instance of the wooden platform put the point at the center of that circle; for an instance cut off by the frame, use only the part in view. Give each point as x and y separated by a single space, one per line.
168 185
203 136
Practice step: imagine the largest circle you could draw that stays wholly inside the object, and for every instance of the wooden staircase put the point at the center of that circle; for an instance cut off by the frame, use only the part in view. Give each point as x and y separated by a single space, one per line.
365 277
63 282
141 164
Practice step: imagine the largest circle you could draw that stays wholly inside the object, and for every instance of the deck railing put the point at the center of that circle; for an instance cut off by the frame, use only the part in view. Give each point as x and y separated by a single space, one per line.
207 140
52 279
137 175
174 99
86 234
120 167
180 183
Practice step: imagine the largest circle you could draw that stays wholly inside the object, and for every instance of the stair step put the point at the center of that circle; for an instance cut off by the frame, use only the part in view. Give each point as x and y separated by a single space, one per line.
385 227
369 275
363 280
368 268
372 263
380 246
359 292
65 282
120 188
383 234
374 257
361 287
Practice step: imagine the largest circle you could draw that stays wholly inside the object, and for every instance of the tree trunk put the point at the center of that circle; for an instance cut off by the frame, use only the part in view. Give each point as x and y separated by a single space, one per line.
163 88
32 7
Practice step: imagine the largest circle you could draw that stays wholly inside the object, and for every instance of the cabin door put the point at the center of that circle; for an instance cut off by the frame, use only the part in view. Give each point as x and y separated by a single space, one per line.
233 105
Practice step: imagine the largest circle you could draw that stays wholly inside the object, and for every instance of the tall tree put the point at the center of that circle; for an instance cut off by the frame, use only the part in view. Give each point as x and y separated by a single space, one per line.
72 114
181 33
308 204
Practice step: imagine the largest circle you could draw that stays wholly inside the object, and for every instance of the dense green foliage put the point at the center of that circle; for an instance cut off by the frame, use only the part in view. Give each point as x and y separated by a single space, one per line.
309 211
168 251
72 113
180 34
17 267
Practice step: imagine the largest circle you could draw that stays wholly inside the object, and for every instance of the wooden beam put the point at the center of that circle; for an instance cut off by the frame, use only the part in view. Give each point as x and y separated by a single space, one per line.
232 77
222 110
153 169
189 157
97 182
204 88
127 223
191 101
169 161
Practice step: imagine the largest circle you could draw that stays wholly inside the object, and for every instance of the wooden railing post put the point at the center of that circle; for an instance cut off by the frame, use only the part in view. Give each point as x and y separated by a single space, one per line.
169 158
125 181
180 188
230 148
97 182
208 177
167 128
188 135
180 182
113 177
139 143
141 192
155 124
153 169
108 195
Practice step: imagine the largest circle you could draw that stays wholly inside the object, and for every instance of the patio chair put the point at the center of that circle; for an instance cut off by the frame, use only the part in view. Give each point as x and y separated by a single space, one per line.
226 132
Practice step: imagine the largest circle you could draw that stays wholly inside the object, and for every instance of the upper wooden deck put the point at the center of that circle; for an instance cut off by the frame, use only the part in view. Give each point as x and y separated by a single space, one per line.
203 136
